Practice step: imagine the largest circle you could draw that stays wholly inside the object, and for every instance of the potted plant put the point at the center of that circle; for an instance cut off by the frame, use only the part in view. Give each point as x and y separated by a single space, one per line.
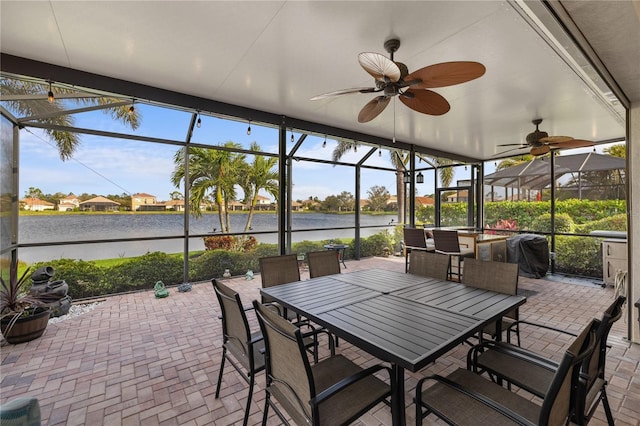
23 317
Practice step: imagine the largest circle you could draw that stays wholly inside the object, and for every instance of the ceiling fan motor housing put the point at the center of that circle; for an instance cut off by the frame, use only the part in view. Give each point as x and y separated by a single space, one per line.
533 138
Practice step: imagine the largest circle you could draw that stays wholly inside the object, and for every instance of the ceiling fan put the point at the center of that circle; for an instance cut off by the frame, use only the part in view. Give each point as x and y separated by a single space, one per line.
393 79
541 143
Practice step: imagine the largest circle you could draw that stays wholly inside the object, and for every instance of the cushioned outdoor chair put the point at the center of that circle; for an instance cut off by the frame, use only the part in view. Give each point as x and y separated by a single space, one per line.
466 398
324 262
415 239
500 277
446 242
533 372
241 347
429 265
334 391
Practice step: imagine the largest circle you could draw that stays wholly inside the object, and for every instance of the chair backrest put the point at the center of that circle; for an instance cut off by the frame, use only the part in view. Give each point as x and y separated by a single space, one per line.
235 327
594 367
500 277
557 404
276 270
429 264
323 262
415 238
446 241
289 377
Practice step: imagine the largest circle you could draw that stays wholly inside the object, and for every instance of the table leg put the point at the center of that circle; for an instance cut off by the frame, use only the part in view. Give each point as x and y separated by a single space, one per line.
397 396
341 256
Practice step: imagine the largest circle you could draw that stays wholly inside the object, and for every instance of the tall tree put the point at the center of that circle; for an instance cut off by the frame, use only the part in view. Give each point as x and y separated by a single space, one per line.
378 198
618 150
67 142
211 171
260 174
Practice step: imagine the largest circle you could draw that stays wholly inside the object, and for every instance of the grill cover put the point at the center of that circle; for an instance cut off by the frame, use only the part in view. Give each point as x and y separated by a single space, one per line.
531 253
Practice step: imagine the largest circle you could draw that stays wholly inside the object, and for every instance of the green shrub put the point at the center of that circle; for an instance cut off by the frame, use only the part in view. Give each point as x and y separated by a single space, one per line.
144 271
213 263
564 223
578 256
375 244
85 278
305 246
613 223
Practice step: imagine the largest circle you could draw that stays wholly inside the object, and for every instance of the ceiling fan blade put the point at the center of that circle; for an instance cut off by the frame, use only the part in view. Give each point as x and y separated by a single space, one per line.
373 108
555 139
573 143
521 145
540 150
379 66
509 150
445 74
345 92
425 101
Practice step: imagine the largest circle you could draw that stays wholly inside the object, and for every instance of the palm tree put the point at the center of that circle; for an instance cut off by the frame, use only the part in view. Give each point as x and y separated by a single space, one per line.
210 171
260 174
67 142
514 161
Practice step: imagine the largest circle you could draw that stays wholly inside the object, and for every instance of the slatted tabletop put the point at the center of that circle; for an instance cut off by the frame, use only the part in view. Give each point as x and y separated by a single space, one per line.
403 319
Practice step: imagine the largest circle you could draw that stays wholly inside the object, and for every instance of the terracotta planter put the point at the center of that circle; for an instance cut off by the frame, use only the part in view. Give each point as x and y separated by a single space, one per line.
26 328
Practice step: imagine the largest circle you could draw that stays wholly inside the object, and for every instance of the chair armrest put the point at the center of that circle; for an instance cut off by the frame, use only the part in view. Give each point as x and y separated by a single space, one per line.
510 350
547 327
348 381
476 396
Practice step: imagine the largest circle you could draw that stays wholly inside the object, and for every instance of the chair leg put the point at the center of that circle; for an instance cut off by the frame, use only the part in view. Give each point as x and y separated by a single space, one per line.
607 407
449 269
252 380
266 408
224 356
406 260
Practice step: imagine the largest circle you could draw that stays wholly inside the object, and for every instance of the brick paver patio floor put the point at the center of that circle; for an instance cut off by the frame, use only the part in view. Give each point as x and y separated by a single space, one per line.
137 360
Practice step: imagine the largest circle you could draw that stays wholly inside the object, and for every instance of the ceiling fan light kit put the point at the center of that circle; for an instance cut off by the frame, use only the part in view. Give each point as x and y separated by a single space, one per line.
393 79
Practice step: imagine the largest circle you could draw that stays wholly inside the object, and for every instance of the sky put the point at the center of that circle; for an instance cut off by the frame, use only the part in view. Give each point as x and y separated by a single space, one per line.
107 166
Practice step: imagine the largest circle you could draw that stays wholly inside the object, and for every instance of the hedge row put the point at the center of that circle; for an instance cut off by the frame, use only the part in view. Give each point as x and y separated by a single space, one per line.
87 279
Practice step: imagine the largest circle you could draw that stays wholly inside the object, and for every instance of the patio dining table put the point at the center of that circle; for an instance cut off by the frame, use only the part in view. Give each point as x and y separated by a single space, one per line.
404 319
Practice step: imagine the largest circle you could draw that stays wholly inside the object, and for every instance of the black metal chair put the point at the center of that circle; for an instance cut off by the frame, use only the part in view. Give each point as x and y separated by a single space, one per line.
324 262
466 398
414 240
242 348
446 242
429 265
500 277
533 372
335 391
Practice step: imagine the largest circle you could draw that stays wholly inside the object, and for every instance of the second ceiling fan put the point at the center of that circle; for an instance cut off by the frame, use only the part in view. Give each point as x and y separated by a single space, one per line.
541 143
393 79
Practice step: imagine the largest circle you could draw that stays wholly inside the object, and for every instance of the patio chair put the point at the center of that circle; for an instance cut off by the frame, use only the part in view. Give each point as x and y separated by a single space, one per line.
334 391
415 239
446 242
429 265
500 277
324 262
240 346
533 372
276 270
466 398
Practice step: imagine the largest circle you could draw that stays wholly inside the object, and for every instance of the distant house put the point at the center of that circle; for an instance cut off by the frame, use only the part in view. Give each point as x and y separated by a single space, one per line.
36 204
141 199
264 203
99 204
296 206
69 203
458 196
236 206
175 205
425 201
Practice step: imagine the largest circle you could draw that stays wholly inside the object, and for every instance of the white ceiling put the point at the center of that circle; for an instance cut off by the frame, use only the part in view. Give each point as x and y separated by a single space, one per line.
275 55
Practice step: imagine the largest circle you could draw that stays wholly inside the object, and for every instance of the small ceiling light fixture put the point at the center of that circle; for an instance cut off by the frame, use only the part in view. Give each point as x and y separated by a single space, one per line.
465 167
50 96
379 152
249 129
292 138
324 144
132 108
199 121
420 178
407 177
